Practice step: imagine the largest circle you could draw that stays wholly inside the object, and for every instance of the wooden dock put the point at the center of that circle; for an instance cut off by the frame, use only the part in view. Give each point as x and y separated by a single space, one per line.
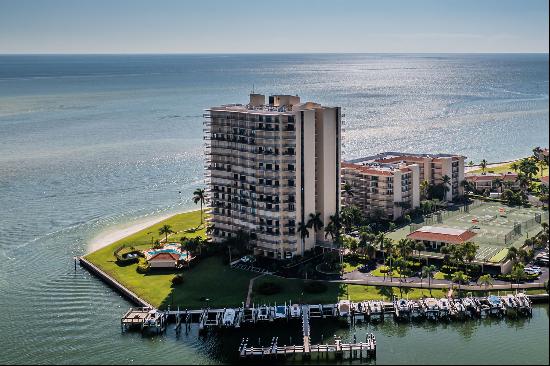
355 350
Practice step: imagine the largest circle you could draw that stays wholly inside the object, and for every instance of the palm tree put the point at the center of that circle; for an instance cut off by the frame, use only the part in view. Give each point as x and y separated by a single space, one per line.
523 255
446 181
303 229
370 250
382 241
424 186
483 165
420 247
329 230
518 272
365 239
315 221
165 230
428 271
470 251
465 185
486 280
458 277
405 247
183 244
348 190
199 196
528 167
515 166
512 254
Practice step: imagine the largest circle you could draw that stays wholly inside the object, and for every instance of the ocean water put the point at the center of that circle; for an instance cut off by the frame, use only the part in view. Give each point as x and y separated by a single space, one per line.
88 143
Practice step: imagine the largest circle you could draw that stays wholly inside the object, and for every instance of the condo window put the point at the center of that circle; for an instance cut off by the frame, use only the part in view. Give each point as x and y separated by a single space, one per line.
269 166
291 167
276 166
290 119
291 182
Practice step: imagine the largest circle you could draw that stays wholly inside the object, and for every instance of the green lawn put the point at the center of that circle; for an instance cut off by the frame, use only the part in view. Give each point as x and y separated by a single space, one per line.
378 272
208 278
351 266
507 168
360 292
292 290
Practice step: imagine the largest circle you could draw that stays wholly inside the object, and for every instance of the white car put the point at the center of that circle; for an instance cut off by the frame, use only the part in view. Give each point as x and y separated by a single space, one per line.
532 271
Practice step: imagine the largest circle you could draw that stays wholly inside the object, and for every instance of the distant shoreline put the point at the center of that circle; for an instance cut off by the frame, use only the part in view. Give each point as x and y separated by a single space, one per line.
469 168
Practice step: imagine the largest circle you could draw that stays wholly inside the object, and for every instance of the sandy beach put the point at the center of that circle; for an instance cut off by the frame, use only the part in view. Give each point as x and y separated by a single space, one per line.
117 232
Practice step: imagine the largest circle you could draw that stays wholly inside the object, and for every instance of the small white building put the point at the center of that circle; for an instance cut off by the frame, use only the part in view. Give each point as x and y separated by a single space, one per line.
437 237
164 260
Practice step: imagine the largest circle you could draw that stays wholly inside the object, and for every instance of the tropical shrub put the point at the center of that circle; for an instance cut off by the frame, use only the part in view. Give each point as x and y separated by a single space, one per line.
143 267
177 280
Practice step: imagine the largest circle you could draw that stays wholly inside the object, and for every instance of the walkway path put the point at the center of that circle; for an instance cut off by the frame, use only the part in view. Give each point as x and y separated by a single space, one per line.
250 286
381 282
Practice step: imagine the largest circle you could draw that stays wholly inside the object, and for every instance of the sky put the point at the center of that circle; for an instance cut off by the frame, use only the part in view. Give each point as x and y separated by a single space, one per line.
277 26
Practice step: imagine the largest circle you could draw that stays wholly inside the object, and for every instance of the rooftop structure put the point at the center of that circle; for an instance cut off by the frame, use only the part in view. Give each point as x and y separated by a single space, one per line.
482 181
436 235
269 166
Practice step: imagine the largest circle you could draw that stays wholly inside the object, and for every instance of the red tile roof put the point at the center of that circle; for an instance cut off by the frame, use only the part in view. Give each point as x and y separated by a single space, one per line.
544 179
164 257
440 237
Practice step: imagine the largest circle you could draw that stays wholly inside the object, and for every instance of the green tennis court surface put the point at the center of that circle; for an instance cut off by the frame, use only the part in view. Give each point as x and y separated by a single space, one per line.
497 226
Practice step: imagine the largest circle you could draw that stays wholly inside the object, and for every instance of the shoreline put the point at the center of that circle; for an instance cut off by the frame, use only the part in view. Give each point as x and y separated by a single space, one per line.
120 231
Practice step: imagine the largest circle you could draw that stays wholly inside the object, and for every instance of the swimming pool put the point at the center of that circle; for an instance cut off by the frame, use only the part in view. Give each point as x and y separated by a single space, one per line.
170 248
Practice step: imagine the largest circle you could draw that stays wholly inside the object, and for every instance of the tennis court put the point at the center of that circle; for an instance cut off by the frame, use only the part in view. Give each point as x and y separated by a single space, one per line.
497 226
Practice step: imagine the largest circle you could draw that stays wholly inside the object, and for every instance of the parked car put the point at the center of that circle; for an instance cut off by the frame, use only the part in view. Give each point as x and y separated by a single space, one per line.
248 259
533 271
367 267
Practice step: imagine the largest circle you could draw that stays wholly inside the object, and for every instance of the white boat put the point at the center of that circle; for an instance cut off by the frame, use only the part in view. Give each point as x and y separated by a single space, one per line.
280 312
432 308
229 317
460 309
263 313
152 318
470 306
416 309
443 306
344 307
509 301
375 309
523 300
295 311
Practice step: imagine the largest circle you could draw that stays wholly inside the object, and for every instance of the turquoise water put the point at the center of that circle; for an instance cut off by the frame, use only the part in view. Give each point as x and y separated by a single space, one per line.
88 143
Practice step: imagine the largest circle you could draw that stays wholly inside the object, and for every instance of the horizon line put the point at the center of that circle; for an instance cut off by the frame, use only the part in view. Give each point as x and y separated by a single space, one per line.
261 53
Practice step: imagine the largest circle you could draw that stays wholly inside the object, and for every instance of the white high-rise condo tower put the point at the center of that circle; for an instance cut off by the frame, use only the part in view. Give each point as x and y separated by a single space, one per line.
269 166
